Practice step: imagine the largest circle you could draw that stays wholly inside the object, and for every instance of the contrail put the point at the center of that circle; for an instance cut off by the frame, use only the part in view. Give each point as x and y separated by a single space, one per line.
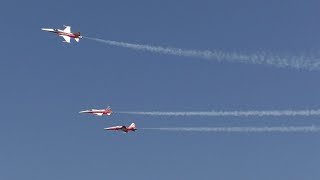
284 129
275 113
296 62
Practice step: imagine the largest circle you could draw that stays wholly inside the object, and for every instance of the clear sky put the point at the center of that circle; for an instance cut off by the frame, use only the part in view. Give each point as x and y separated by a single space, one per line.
45 83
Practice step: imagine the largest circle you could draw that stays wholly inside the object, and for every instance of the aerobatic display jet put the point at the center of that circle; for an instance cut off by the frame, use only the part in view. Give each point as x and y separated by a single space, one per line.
125 129
66 33
99 112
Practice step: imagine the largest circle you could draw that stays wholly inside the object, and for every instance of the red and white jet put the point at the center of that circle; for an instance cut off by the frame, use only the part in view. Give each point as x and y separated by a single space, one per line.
99 112
125 129
66 33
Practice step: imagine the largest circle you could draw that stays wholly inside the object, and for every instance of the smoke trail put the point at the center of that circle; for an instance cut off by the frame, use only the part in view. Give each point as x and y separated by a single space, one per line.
296 62
232 113
284 129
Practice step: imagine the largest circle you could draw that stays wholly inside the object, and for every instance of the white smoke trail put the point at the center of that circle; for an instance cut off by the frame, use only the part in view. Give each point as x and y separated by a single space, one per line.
284 129
296 62
232 113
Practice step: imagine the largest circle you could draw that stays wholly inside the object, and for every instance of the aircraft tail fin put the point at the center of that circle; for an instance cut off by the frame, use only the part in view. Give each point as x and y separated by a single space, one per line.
77 39
132 126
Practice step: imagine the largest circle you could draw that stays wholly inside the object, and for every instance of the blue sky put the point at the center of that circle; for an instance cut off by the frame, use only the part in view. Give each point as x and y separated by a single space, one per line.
45 83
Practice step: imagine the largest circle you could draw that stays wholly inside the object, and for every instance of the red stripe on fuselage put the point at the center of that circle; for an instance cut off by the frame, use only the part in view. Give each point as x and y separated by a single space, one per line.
68 34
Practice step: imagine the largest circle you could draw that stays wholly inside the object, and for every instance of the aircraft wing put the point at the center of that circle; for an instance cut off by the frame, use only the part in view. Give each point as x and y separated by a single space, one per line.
66 38
67 29
98 114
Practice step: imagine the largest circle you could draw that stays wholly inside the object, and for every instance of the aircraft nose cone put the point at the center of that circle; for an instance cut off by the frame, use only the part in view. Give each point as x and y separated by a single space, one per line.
45 29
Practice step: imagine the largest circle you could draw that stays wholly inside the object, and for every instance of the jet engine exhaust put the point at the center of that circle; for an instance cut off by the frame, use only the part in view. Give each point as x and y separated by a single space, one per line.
280 129
263 58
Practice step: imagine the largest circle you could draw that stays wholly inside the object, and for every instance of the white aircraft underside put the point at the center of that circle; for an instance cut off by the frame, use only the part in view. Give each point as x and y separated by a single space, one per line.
66 33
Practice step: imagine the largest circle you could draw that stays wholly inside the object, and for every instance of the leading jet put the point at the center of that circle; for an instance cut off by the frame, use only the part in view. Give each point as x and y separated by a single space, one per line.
66 33
99 112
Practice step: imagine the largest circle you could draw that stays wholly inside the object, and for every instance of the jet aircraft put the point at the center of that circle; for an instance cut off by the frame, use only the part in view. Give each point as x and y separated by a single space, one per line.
125 129
99 112
66 33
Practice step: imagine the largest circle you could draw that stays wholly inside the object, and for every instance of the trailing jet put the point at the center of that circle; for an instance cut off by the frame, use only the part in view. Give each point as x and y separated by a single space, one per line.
99 112
66 33
125 129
